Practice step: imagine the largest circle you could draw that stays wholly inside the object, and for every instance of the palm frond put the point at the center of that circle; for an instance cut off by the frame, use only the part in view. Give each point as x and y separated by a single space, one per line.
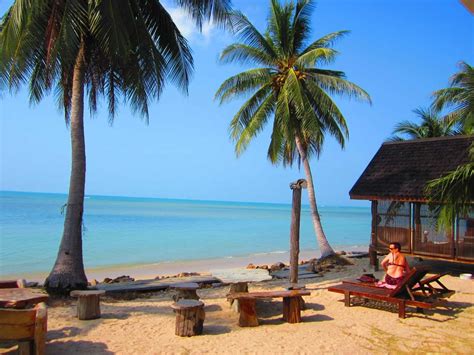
204 10
242 83
249 35
245 54
255 124
325 41
336 84
301 25
242 118
316 56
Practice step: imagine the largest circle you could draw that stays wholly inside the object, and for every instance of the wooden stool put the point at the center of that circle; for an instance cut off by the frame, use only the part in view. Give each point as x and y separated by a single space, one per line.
185 290
88 304
189 317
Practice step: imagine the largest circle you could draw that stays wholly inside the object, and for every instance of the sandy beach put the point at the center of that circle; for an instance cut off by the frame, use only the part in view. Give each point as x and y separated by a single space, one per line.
146 325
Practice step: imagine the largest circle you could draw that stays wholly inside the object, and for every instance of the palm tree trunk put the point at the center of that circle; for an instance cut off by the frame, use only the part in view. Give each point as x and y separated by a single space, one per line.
324 246
68 271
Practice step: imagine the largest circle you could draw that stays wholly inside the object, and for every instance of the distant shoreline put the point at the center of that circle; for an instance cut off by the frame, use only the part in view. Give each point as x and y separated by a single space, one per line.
354 203
150 271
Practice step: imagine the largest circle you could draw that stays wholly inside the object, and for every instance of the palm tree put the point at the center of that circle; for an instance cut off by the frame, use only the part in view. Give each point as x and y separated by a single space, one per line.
432 125
113 48
290 86
459 97
456 189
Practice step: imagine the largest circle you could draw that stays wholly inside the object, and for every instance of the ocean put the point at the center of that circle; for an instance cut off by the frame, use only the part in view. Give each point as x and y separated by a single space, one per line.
132 231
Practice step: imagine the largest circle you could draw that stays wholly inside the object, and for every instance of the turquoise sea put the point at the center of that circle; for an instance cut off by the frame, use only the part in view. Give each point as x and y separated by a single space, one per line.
125 230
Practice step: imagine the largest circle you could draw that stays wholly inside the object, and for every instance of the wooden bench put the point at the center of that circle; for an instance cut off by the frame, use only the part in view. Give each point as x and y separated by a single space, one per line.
247 302
189 317
185 290
88 303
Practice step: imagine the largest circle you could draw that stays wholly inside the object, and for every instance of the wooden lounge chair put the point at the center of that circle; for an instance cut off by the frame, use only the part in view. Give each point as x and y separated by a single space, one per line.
405 294
425 286
25 325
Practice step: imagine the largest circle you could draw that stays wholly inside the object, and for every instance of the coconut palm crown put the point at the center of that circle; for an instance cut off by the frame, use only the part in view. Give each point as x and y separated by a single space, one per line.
432 125
117 49
459 97
289 86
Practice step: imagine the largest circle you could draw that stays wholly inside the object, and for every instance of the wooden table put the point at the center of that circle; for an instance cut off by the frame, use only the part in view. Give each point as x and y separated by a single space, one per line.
21 297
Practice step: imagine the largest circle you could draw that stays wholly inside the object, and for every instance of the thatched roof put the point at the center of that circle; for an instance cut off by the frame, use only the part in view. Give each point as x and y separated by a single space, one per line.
401 170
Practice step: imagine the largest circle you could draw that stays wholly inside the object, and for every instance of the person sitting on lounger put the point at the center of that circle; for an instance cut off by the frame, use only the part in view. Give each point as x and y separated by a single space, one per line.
395 265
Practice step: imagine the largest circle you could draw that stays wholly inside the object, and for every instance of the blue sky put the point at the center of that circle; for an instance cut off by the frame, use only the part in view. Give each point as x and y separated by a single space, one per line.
399 51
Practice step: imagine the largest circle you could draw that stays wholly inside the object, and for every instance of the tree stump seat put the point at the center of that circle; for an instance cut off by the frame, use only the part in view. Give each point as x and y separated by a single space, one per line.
189 317
247 302
185 290
88 303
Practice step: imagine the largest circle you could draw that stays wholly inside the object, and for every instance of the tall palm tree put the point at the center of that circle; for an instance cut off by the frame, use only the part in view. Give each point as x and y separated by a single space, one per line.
290 86
432 125
113 48
459 97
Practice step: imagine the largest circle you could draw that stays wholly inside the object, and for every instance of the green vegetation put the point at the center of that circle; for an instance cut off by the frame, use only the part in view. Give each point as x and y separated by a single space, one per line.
432 125
456 189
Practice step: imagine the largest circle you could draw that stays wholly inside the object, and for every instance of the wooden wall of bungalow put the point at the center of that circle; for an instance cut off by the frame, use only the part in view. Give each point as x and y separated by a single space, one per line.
394 182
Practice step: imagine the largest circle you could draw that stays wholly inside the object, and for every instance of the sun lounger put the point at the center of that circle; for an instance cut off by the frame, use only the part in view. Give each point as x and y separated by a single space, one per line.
404 295
425 286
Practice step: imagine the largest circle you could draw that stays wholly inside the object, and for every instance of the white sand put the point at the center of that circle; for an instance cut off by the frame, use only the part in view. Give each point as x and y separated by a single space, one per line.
146 325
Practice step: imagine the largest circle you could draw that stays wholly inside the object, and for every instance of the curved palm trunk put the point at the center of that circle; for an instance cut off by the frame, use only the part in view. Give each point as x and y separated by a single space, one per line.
68 271
326 249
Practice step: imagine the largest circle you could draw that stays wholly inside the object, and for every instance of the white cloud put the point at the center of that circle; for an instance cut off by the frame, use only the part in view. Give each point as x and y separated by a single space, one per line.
187 27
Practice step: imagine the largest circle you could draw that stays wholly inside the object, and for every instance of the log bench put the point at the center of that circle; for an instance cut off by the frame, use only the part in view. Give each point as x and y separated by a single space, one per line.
247 302
189 317
88 303
185 290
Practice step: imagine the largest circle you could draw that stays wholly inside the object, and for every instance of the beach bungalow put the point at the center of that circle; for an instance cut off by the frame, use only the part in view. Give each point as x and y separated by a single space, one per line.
394 181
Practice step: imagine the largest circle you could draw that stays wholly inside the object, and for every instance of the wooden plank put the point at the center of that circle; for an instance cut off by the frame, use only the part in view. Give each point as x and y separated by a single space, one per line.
234 275
153 285
269 294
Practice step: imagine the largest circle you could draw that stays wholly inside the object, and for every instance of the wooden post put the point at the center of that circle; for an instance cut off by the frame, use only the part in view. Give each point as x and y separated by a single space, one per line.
373 238
417 238
295 228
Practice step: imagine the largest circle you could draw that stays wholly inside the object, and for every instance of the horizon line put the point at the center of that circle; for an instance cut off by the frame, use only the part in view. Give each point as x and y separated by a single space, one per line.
179 199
